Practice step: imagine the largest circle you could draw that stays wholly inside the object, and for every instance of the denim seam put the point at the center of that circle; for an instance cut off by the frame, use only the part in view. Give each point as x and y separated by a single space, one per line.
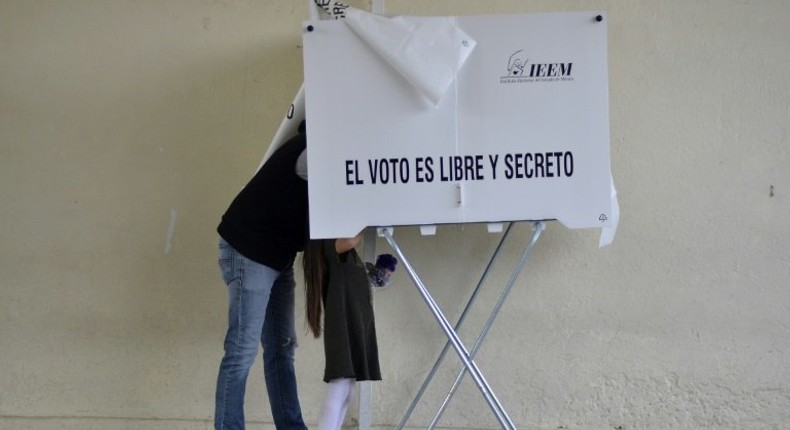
235 266
277 359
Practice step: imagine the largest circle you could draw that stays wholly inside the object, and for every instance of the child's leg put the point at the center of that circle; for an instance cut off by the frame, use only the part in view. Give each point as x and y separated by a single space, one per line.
338 396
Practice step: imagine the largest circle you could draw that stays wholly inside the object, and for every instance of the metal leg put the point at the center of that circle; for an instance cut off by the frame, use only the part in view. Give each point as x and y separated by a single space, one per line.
463 354
365 391
538 229
458 324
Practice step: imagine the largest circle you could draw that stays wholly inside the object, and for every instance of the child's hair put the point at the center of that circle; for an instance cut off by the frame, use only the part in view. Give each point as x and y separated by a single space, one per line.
315 279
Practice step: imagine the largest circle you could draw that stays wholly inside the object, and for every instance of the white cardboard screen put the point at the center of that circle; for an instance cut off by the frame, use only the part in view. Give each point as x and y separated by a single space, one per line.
522 134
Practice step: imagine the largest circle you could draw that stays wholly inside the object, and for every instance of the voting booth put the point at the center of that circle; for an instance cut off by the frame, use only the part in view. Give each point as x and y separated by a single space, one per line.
457 119
511 121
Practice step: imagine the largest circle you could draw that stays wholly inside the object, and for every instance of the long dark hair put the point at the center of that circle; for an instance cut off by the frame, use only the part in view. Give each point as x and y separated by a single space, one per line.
315 279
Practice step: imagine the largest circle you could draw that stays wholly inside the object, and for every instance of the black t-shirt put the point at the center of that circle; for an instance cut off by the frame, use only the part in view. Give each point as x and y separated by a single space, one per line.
267 221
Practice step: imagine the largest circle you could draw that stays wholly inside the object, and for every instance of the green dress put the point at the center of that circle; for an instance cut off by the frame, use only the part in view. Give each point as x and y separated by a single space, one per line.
350 346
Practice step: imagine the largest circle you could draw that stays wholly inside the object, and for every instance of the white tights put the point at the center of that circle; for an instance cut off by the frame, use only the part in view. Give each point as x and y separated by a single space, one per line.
338 396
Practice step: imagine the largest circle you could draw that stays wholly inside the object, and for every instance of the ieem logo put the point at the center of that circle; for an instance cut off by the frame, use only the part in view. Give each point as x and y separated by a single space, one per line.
520 70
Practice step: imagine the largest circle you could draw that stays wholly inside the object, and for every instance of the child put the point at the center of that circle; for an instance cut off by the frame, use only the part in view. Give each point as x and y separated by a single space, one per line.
336 278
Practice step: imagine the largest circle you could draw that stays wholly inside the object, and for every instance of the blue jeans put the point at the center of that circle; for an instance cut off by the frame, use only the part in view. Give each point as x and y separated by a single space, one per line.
260 309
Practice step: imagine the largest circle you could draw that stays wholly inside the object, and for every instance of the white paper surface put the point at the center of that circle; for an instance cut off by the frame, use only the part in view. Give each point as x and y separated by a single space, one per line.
608 233
426 51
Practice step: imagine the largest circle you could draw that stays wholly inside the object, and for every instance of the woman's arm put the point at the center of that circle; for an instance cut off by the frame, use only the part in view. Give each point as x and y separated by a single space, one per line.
346 244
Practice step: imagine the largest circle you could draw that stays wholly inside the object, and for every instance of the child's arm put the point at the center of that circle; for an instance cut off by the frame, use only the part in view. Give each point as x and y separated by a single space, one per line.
347 244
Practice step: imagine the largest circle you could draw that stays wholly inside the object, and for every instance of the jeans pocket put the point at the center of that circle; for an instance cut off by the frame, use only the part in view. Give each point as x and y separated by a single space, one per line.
225 258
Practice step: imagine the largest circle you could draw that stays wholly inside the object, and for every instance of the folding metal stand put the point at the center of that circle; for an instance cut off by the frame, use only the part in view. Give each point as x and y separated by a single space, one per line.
466 356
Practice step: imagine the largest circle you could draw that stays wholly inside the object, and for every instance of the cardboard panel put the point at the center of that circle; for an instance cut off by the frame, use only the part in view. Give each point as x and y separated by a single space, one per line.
523 133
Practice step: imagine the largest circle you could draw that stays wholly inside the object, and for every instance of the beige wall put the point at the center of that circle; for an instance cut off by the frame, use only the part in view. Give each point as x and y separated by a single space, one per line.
127 126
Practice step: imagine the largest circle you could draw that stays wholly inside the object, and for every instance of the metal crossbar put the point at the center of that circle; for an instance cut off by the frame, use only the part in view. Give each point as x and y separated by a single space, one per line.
465 355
